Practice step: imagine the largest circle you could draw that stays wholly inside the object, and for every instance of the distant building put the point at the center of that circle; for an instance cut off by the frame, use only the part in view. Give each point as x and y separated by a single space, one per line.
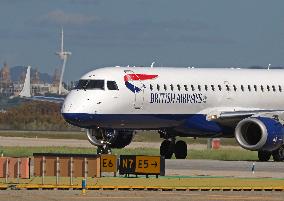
6 85
35 79
5 74
38 87
2 111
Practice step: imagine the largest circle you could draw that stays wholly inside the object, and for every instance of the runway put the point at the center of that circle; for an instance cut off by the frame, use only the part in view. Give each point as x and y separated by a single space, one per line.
45 142
224 168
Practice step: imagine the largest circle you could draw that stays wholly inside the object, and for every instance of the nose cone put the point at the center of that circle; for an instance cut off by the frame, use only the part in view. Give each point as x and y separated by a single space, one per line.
75 106
67 106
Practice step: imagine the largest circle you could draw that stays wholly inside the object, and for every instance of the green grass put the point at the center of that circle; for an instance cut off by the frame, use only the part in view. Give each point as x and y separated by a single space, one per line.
222 154
45 134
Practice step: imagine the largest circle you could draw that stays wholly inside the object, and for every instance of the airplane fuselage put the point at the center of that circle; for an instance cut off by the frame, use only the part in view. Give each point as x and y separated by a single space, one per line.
178 98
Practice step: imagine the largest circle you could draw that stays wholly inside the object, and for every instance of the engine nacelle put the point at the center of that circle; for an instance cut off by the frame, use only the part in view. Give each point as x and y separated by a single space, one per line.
110 137
259 133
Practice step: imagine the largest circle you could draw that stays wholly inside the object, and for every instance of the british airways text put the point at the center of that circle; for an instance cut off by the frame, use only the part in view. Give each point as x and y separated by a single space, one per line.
177 98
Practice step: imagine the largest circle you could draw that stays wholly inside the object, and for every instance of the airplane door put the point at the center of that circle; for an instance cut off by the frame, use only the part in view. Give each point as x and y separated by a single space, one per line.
134 83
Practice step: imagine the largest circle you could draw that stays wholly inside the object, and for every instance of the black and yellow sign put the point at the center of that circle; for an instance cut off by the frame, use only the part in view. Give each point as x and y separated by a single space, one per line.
108 163
127 164
147 165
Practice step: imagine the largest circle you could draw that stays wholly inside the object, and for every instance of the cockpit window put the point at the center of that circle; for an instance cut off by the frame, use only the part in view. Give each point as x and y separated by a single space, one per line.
111 85
91 84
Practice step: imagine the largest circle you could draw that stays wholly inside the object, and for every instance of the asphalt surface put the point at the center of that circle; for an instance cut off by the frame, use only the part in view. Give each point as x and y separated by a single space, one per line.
54 195
173 167
45 142
225 168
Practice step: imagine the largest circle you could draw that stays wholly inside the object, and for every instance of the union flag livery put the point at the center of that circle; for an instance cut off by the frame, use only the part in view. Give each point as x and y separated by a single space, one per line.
136 77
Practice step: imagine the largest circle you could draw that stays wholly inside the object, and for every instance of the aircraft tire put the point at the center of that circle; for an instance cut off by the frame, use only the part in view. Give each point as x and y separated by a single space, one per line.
278 154
167 149
264 155
122 141
180 149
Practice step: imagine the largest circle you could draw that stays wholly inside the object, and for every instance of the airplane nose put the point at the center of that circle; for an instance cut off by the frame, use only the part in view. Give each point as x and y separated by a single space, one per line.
67 105
75 107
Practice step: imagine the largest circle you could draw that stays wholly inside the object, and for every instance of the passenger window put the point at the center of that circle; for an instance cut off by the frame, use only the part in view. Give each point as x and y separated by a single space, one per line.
206 88
185 87
242 87
111 85
192 87
151 87
199 88
178 86
165 87
172 87
261 88
235 88
212 87
273 88
220 88
280 89
255 87
249 88
158 87
268 88
227 87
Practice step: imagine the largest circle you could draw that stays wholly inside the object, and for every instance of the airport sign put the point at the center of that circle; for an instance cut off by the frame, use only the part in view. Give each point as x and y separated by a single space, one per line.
145 165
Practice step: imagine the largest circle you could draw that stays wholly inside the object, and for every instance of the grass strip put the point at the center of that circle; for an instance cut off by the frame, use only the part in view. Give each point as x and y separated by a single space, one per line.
221 154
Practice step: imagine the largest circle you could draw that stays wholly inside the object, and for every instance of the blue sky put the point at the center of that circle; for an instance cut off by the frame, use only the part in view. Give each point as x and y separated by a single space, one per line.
200 33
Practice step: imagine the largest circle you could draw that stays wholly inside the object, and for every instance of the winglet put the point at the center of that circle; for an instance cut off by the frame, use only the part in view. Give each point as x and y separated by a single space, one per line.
26 91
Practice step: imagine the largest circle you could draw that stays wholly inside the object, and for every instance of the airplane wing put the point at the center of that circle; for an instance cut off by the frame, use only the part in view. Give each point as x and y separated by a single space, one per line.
231 116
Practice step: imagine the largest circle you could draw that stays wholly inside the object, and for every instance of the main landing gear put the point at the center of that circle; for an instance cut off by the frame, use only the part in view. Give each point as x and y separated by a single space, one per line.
170 147
278 155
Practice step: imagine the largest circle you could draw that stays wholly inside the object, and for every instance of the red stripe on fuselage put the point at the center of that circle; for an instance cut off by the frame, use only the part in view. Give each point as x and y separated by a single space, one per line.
139 77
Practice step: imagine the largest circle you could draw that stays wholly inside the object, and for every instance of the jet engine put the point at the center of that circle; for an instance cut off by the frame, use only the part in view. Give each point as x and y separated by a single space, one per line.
259 133
110 137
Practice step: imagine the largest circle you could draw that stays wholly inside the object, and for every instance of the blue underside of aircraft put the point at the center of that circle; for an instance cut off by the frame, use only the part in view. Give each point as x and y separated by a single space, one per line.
186 124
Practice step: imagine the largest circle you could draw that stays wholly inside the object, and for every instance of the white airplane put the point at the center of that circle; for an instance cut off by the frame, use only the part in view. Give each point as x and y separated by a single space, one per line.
112 103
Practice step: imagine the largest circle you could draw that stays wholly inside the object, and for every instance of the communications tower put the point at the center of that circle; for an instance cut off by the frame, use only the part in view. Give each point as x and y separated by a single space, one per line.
63 55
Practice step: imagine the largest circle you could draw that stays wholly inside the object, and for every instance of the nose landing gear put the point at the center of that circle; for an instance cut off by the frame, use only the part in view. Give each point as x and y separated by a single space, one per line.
104 149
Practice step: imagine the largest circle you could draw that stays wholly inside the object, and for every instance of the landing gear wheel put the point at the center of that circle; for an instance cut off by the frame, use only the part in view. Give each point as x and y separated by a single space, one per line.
103 150
167 149
264 155
278 154
180 149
